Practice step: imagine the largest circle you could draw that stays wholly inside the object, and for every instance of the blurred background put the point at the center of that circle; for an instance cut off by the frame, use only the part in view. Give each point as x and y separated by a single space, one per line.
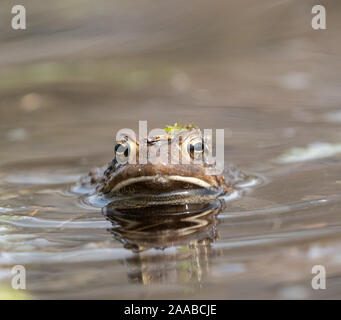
84 69
79 62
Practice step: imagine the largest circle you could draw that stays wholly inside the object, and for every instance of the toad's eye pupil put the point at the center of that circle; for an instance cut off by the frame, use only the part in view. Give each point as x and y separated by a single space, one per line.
122 149
196 147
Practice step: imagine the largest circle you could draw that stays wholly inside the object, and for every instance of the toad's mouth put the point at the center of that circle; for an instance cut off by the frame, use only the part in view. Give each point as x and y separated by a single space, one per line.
158 184
162 190
158 181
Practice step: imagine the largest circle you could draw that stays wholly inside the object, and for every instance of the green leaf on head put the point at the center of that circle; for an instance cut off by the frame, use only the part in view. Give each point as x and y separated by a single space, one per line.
179 127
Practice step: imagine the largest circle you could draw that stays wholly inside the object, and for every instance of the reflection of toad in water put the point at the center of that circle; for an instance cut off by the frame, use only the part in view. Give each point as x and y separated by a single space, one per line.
189 229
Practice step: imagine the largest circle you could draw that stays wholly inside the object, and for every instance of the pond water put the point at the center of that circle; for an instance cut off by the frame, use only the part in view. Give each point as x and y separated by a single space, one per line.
280 107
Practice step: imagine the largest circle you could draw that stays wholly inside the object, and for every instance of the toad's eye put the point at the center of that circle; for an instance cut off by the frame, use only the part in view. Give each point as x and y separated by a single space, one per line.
122 150
196 147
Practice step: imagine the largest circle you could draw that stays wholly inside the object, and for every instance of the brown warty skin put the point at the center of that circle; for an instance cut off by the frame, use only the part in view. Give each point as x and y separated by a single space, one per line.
165 176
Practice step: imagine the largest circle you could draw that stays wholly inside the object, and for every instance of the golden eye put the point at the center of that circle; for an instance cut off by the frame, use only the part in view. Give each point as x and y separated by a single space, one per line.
195 147
122 151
